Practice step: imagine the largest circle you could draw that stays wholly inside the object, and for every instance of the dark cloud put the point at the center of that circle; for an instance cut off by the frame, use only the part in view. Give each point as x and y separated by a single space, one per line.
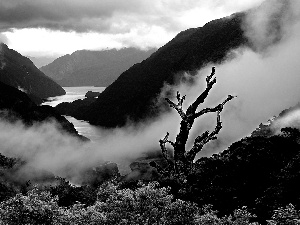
76 15
107 16
58 15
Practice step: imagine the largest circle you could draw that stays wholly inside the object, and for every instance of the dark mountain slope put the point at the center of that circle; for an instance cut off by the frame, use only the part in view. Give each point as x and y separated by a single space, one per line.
16 105
19 72
132 94
259 172
93 68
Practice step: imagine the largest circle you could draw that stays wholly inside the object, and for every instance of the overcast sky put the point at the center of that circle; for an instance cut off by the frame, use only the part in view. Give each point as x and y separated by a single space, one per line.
58 27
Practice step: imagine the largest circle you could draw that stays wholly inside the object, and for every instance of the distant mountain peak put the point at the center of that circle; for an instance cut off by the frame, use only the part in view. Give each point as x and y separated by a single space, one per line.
93 68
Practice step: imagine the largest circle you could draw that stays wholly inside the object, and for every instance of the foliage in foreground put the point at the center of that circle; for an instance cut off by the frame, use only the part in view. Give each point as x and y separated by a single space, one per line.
148 204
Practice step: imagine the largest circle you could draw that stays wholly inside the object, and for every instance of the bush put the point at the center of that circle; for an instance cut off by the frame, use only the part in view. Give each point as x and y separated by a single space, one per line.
285 216
148 204
37 207
239 217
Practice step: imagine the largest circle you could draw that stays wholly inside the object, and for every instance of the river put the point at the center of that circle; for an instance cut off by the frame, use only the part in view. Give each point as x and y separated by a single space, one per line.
72 94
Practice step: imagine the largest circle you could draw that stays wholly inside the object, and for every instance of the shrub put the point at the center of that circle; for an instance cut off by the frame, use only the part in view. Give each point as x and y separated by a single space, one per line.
285 216
37 207
147 204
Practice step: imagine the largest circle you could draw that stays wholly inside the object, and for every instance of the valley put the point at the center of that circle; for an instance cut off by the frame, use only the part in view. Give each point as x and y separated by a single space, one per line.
150 120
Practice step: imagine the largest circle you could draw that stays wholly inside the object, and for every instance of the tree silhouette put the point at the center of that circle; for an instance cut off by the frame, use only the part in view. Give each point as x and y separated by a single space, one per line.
181 165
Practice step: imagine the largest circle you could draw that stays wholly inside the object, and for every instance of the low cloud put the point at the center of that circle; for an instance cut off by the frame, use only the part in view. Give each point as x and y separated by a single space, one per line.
44 148
271 23
291 119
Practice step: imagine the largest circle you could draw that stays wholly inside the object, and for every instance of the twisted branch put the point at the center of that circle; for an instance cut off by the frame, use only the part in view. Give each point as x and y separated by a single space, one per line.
178 106
164 150
218 108
210 81
183 160
206 137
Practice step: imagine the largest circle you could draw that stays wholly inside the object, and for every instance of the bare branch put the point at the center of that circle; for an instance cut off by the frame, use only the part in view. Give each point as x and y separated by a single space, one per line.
229 97
206 137
178 106
208 78
209 84
180 100
203 139
163 147
164 150
218 127
218 108
165 140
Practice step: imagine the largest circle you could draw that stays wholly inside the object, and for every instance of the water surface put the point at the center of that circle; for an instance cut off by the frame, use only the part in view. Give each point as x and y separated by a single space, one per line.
72 94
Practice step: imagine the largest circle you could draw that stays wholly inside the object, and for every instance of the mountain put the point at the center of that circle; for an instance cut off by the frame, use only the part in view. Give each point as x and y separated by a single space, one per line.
93 68
19 72
132 95
40 61
16 105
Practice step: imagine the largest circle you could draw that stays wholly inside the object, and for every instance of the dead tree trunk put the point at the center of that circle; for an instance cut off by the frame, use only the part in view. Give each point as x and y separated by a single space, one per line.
181 165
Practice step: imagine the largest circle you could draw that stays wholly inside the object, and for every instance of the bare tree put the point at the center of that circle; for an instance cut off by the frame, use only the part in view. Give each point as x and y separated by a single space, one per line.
181 164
